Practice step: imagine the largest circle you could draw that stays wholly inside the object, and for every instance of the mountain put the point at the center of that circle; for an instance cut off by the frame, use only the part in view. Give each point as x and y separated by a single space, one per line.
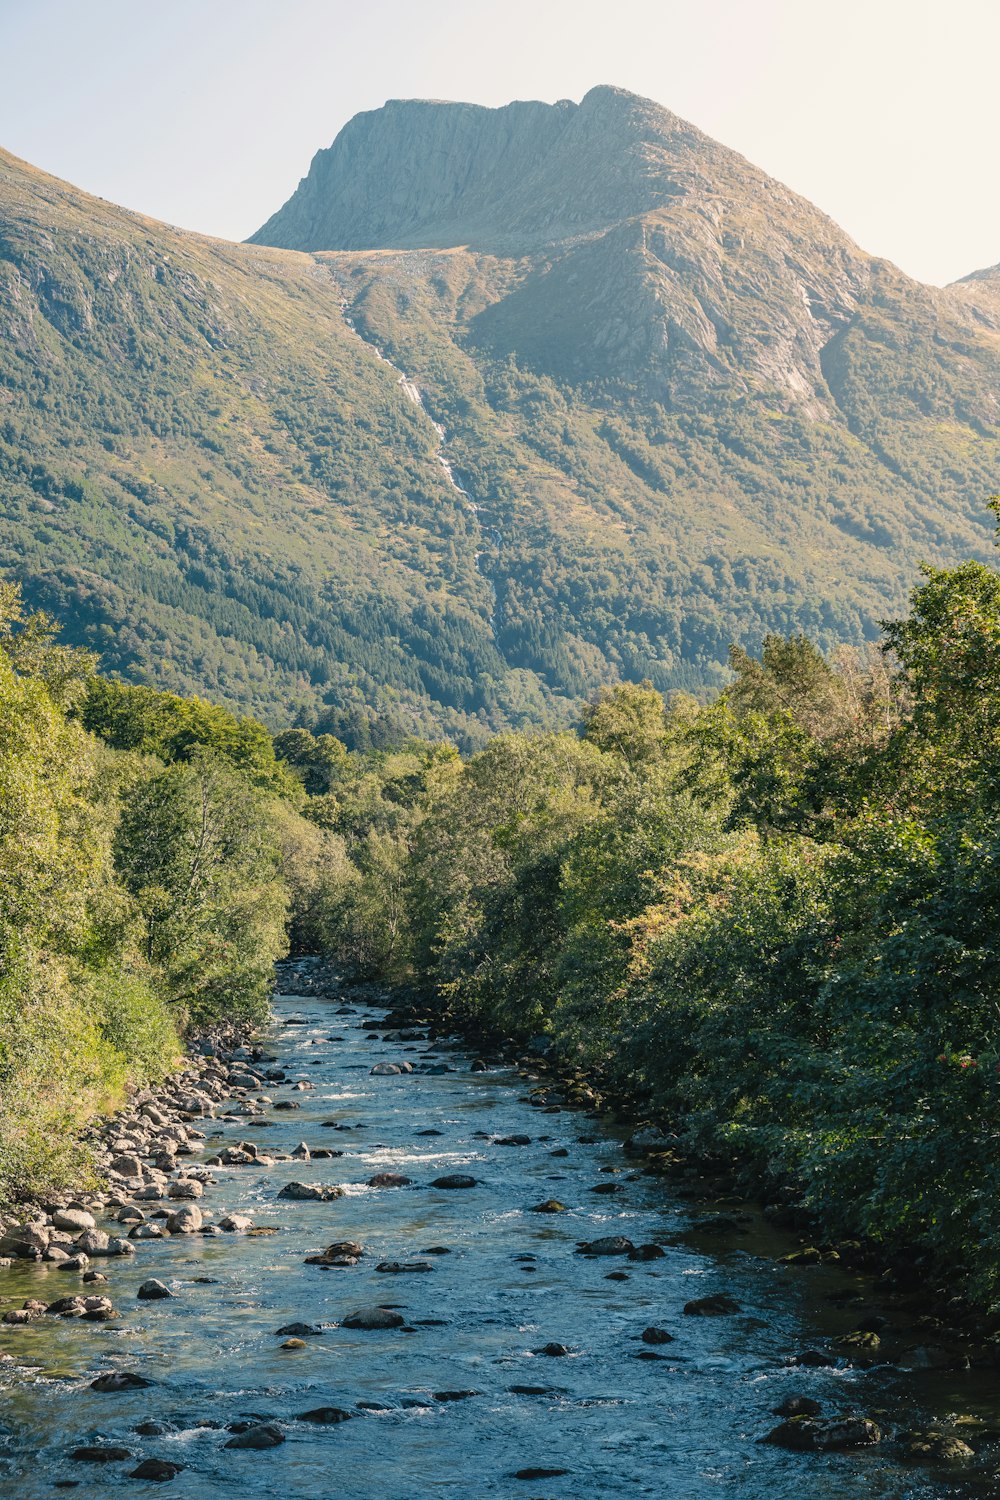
502 404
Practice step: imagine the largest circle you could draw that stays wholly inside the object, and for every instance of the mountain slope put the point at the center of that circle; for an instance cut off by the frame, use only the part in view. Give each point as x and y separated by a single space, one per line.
678 406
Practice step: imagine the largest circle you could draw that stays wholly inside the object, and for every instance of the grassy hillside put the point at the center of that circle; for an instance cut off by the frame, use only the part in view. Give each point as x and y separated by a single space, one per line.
687 410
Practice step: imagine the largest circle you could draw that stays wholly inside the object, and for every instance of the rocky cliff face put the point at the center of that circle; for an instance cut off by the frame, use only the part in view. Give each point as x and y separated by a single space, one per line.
644 251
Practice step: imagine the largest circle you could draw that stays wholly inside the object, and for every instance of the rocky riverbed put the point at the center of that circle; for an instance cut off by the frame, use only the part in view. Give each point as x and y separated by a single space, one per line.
351 1259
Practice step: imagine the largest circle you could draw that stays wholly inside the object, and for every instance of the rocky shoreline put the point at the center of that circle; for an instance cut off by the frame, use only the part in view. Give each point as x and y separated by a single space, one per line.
142 1155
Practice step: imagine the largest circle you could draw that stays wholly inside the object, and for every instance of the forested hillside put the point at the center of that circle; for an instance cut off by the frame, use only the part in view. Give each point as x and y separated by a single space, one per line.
679 406
768 923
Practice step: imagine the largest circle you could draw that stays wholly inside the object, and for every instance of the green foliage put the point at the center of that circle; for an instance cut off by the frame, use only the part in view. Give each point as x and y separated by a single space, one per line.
772 921
130 717
136 896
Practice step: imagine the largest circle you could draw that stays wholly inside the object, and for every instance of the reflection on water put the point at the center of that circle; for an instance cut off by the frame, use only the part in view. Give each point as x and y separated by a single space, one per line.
685 1424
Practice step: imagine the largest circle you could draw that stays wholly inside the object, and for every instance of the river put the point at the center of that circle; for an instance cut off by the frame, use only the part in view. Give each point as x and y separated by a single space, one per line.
684 1423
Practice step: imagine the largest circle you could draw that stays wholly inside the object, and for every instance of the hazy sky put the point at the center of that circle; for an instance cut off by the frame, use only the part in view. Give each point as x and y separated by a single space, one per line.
206 112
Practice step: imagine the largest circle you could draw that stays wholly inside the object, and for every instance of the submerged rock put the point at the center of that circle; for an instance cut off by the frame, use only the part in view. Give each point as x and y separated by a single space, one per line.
611 1244
719 1306
263 1435
325 1416
373 1318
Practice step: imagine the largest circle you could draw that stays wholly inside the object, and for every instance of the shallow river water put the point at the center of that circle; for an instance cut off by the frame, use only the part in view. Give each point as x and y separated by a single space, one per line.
684 1425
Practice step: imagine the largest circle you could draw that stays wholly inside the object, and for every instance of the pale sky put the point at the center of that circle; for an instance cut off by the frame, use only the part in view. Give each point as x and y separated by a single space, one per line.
205 113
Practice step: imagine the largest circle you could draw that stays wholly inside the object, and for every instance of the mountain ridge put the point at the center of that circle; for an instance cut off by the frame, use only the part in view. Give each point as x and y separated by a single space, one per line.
700 422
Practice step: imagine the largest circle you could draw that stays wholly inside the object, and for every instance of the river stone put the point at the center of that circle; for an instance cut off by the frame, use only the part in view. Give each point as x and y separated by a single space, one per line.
513 1140
159 1470
813 1435
611 1244
798 1406
264 1435
310 1191
185 1187
102 1311
403 1267
120 1380
126 1165
293 1344
186 1220
389 1180
66 1307
719 1306
943 1446
146 1232
74 1219
647 1252
26 1241
96 1454
94 1242
235 1223
153 1290
325 1416
553 1351
373 1317
550 1206
301 1152
534 1472
454 1395
299 1330
385 1070
654 1335
76 1263
454 1180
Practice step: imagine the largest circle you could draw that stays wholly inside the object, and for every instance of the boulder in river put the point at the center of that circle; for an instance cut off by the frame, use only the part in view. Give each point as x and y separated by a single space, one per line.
403 1267
719 1306
370 1318
120 1380
654 1335
263 1435
611 1244
815 1435
550 1206
454 1180
299 1330
76 1220
385 1070
325 1416
100 1453
236 1223
647 1252
389 1180
186 1220
159 1470
310 1192
153 1290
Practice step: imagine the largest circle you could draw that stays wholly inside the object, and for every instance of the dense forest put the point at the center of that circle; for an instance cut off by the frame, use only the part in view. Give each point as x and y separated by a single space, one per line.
770 922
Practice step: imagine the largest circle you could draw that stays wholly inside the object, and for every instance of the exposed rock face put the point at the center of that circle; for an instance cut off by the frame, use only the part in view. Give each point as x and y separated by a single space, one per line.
419 172
646 250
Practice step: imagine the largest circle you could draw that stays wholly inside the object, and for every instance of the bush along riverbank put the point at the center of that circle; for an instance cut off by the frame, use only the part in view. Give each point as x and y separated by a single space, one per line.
151 851
770 923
